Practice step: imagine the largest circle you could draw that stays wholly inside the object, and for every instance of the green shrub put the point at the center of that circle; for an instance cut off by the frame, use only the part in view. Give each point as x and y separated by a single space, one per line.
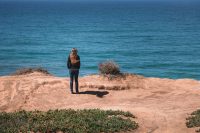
194 120
109 67
68 121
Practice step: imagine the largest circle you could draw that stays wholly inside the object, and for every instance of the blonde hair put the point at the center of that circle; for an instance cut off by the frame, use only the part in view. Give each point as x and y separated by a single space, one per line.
73 56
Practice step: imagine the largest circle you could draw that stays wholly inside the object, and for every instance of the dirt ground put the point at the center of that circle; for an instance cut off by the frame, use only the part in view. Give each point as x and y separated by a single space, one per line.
160 105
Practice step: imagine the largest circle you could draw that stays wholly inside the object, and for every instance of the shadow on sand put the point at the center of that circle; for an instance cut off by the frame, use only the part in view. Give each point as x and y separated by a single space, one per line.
99 94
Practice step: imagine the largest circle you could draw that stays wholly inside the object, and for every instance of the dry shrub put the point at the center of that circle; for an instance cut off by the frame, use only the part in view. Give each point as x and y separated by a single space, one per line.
24 71
109 67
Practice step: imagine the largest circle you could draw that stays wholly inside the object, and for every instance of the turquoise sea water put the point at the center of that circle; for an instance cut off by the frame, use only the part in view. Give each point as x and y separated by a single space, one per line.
152 39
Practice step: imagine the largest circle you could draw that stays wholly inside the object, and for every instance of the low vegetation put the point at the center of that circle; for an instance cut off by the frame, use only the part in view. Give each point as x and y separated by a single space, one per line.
25 71
194 120
67 121
109 67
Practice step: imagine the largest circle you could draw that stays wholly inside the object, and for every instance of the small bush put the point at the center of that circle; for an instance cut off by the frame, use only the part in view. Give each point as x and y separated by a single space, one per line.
67 121
25 71
194 120
109 67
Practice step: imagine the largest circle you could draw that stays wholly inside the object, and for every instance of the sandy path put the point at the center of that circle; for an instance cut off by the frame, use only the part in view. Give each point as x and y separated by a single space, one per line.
161 105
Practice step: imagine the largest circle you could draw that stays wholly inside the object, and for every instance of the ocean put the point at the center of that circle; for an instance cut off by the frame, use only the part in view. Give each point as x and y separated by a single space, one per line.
154 39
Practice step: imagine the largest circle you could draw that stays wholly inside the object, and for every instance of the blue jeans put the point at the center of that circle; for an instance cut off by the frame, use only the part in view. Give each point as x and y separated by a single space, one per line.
74 76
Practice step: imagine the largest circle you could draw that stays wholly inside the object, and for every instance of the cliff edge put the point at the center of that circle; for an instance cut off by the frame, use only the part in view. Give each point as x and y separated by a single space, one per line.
160 105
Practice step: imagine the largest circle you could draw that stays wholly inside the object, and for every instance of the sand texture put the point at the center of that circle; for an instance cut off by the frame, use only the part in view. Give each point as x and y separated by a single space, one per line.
160 105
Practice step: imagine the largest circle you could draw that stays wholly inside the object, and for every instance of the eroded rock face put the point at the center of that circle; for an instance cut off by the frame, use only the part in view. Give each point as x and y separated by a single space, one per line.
161 105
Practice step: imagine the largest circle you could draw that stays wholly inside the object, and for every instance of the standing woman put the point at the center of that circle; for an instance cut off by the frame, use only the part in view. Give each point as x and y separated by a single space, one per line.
73 64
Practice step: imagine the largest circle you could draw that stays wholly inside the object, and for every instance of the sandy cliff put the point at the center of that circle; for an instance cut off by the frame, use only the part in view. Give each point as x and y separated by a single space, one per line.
161 105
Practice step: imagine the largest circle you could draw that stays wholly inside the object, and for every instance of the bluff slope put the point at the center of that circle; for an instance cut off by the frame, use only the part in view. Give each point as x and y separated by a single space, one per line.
161 105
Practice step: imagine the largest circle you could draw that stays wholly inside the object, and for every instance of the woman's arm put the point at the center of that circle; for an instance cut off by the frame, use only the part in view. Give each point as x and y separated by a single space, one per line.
68 63
79 63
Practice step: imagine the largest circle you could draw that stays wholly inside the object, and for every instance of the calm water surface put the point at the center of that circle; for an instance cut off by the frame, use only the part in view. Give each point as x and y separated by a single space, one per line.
152 39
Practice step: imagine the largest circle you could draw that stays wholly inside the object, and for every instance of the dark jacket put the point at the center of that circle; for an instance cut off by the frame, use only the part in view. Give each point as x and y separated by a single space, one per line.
73 66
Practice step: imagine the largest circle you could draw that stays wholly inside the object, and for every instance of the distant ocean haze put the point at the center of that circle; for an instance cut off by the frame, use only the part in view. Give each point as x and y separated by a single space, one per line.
157 39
